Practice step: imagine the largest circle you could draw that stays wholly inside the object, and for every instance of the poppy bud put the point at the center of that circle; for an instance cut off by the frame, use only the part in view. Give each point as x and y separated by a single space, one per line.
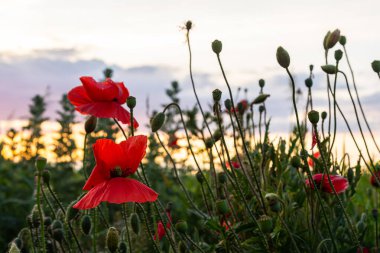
376 66
112 239
311 67
261 108
273 202
222 177
295 162
34 217
329 69
343 40
261 83
181 226
313 117
56 224
58 234
217 135
71 212
46 176
338 55
324 115
107 73
216 95
182 247
222 207
13 248
85 225
260 99
350 175
228 104
40 163
309 82
123 247
333 38
216 46
19 243
240 107
209 143
131 102
135 223
189 25
157 121
90 124
199 177
283 57
266 224
325 40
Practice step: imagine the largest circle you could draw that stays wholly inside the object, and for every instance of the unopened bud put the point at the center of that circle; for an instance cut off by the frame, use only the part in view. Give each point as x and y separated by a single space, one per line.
58 234
273 202
343 40
157 121
85 225
266 224
216 95
333 38
350 175
41 163
222 177
209 143
216 46
199 177
222 207
112 239
324 115
295 161
325 40
338 55
13 248
261 83
57 224
181 226
329 69
189 25
311 67
135 223
261 108
376 66
260 99
90 124
228 104
217 135
71 212
131 102
309 82
313 117
283 57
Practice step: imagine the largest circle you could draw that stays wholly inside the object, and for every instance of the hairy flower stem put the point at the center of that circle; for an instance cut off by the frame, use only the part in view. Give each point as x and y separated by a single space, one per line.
328 94
48 202
306 163
149 230
193 205
40 212
357 98
193 243
84 156
125 216
242 135
335 121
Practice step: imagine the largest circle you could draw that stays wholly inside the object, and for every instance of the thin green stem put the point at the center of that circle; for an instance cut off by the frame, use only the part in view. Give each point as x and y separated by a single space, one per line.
84 157
40 212
290 234
125 216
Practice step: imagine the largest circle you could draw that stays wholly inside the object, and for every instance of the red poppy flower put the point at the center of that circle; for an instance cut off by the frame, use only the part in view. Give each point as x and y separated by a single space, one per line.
340 183
311 161
314 140
101 99
108 180
160 227
373 179
363 249
235 164
173 141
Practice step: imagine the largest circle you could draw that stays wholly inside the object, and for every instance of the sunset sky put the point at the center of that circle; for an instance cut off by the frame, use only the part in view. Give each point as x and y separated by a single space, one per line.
47 45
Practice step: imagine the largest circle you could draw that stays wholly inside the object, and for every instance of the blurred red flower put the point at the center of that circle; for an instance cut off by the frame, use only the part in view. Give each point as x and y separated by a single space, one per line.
314 140
235 164
108 180
373 179
340 183
173 141
160 227
101 99
311 161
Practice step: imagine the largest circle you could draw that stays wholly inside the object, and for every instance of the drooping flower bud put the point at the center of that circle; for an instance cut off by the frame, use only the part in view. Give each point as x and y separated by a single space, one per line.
228 104
325 40
283 57
112 239
85 224
181 226
313 117
338 55
222 207
131 102
260 99
71 212
40 163
90 124
309 82
376 66
333 38
199 177
222 177
135 223
266 224
329 69
216 46
324 115
157 121
108 73
261 83
216 95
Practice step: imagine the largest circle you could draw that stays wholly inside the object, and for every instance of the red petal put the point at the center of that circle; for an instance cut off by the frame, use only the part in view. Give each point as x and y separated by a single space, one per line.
78 96
160 231
100 91
92 198
123 93
134 149
314 141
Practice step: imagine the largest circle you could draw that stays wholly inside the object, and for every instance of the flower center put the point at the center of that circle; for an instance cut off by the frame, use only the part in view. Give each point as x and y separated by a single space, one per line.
118 172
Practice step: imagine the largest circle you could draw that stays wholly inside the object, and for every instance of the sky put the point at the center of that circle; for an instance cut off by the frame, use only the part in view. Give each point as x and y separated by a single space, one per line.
47 45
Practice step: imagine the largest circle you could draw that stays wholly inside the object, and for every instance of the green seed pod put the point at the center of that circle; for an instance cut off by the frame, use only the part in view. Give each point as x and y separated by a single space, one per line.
333 38
222 207
71 212
90 124
108 73
199 177
324 115
295 161
228 104
329 69
13 248
188 25
217 135
350 175
266 224
216 95
313 117
338 54
376 66
123 247
260 99
131 102
182 247
40 163
216 46
58 234
343 40
325 40
86 224
46 177
261 83
209 143
222 177
309 82
283 57
157 121
135 223
112 239
181 226
57 224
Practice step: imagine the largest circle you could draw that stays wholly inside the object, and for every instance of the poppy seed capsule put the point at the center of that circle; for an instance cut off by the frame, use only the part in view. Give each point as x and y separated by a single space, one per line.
222 207
90 124
266 224
181 226
228 104
135 223
283 57
131 102
260 99
85 225
342 40
324 115
313 117
329 69
123 248
222 177
41 163
199 177
309 82
217 135
261 83
216 46
216 95
338 54
112 239
157 121
376 66
46 176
